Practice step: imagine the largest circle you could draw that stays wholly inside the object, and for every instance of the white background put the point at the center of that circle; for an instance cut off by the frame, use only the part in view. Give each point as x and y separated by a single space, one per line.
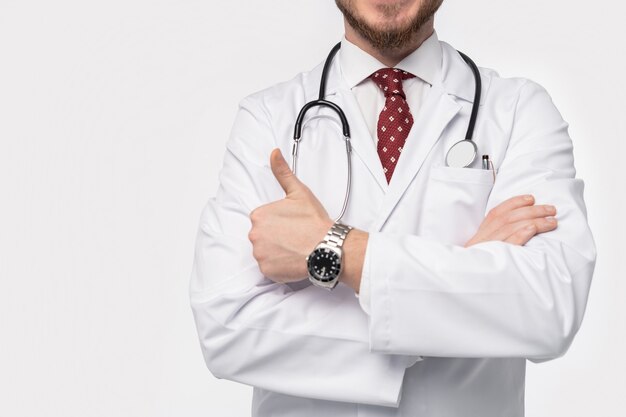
113 119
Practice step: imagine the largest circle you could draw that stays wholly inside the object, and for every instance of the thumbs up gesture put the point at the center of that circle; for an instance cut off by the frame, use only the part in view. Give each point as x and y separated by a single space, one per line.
284 232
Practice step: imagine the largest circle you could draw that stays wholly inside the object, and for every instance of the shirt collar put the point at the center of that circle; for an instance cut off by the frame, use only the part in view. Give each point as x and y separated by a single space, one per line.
357 65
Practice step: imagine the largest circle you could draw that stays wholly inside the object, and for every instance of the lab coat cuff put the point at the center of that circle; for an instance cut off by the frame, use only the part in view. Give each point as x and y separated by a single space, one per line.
380 304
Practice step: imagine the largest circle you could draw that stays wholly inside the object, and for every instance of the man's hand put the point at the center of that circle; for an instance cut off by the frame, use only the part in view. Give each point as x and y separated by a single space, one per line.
284 232
515 221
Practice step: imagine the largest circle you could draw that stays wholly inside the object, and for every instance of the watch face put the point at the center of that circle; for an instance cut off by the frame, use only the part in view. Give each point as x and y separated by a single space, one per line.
324 264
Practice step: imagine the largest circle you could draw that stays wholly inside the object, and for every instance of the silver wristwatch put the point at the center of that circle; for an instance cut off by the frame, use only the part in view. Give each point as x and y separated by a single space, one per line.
324 263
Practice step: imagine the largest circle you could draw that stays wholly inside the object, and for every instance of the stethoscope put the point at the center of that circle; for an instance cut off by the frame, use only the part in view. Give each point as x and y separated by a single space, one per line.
460 155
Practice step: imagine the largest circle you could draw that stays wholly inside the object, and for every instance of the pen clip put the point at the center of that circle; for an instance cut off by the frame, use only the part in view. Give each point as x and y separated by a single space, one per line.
488 164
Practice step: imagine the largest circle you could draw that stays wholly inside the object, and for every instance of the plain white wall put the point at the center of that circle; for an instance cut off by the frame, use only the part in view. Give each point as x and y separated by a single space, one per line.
113 119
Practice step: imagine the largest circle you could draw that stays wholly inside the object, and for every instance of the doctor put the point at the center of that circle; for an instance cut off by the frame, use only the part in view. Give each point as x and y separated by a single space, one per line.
449 280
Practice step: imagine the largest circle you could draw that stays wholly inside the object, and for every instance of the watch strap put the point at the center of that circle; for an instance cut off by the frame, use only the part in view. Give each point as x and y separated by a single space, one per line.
336 235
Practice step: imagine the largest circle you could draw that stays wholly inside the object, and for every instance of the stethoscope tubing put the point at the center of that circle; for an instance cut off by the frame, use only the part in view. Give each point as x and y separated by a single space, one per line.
345 126
477 93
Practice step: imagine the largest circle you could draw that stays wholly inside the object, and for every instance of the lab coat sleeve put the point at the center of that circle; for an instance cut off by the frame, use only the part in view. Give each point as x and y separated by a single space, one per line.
295 339
493 299
364 294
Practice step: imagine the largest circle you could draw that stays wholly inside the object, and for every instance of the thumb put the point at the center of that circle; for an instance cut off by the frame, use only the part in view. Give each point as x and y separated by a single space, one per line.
287 180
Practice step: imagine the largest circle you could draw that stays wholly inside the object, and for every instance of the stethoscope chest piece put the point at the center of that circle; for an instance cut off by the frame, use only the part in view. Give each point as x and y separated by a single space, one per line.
461 154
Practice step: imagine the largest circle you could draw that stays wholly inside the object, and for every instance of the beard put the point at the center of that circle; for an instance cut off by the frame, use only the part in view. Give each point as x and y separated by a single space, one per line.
387 37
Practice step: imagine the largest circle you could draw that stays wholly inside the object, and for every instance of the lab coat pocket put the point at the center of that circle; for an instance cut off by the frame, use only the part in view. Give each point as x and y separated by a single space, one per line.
467 175
454 203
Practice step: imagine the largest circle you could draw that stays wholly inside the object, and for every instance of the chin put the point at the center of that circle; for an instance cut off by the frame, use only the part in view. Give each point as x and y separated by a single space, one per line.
392 14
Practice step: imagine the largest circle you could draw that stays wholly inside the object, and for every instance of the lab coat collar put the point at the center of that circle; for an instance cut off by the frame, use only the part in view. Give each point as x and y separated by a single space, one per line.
356 64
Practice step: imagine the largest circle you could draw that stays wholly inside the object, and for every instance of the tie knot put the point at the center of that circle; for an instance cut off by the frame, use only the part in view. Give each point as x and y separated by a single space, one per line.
389 80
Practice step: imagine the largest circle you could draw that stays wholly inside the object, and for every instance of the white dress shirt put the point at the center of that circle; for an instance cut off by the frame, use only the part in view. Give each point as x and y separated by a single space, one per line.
357 65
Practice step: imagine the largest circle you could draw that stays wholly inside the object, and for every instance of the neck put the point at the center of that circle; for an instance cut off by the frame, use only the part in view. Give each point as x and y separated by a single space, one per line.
390 57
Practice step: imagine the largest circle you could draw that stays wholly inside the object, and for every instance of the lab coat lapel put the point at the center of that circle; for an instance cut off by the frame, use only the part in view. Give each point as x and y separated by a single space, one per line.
435 113
363 144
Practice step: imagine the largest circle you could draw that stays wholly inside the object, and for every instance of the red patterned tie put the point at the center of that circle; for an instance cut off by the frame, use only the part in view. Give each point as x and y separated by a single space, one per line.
395 120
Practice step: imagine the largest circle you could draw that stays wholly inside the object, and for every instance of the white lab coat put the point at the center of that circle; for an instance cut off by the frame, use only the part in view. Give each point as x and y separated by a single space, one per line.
450 327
